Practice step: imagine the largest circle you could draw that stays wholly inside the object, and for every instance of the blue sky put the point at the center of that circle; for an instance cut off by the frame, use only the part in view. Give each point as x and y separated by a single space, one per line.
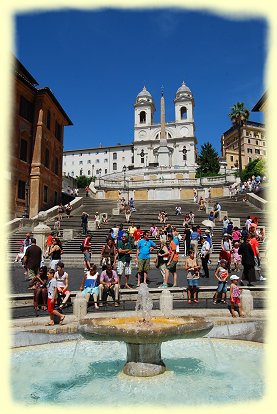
96 62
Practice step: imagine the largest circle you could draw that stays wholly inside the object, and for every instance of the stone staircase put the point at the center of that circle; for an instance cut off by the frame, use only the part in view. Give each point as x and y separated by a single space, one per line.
146 214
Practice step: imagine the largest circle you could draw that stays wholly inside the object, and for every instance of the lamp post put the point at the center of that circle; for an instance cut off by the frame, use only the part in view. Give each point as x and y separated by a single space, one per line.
100 171
26 210
124 177
225 174
200 171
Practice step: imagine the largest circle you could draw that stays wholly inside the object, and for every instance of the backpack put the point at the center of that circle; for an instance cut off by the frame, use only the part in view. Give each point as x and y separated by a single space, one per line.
82 247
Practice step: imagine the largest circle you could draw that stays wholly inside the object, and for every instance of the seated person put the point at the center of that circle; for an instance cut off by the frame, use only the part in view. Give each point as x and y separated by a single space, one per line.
39 285
90 284
109 285
62 284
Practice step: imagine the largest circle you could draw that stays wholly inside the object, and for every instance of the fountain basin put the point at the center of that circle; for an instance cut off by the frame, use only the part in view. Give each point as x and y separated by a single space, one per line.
144 338
133 330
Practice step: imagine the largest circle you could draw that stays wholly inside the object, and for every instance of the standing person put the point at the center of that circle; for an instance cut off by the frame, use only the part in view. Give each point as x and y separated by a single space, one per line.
68 209
226 249
97 219
124 250
108 254
194 196
172 262
48 244
187 239
221 275
127 213
87 190
236 235
87 252
57 227
144 247
255 247
32 259
131 230
52 296
55 253
62 284
109 284
235 296
137 235
248 262
90 285
131 204
205 255
60 211
162 258
154 231
195 237
84 222
236 257
192 268
225 223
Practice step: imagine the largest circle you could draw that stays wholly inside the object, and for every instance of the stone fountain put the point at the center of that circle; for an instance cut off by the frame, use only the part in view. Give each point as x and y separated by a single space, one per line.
144 334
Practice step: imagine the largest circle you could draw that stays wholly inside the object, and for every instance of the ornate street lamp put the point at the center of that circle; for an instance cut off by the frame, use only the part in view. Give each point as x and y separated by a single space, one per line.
124 177
100 172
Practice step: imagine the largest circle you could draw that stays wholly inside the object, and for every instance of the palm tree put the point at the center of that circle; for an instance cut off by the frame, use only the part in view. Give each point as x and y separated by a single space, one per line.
239 116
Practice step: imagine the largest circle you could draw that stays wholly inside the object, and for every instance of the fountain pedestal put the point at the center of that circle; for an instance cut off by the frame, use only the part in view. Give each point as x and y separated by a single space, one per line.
144 360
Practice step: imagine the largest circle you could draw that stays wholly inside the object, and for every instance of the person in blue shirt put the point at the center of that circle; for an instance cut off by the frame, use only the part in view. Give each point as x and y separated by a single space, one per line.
144 247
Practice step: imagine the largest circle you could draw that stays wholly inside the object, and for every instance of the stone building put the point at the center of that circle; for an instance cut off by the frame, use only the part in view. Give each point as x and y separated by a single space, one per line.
253 144
163 145
36 146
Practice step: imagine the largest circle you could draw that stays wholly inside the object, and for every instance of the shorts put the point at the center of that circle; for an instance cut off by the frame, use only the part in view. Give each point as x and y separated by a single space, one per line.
143 265
172 266
257 263
235 301
222 287
50 305
123 265
86 256
193 282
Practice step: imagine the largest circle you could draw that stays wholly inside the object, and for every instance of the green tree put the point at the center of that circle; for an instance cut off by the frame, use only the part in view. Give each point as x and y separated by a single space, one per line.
83 181
207 161
239 115
255 167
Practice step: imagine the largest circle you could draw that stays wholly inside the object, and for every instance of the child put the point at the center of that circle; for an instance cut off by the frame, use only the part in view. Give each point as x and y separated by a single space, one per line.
52 294
236 257
235 296
97 219
221 274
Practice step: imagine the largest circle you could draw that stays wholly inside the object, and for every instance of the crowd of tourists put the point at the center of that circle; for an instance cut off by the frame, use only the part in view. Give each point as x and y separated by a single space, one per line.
127 251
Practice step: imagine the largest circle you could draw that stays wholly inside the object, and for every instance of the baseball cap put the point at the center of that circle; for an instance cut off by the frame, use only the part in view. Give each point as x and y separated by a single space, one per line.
234 277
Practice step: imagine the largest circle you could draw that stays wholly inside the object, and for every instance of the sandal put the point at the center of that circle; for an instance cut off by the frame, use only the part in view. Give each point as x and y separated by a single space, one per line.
214 302
61 306
189 302
62 319
50 324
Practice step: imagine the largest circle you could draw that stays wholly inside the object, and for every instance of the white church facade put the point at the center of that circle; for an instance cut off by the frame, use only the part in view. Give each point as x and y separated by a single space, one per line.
158 146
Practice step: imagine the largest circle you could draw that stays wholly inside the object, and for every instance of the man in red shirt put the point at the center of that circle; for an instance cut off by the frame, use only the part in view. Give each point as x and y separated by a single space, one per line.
137 235
255 247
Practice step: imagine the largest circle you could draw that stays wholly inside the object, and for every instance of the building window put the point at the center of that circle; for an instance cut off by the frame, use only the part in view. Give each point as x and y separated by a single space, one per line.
264 143
123 158
106 160
184 113
231 158
106 171
80 162
88 172
56 169
89 161
106 152
249 141
23 149
257 142
257 151
114 166
45 194
142 117
46 158
80 154
58 131
249 150
48 119
26 109
97 161
81 171
21 190
114 156
72 173
264 152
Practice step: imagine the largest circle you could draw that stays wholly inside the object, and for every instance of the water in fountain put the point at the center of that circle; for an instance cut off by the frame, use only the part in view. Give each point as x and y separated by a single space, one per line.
144 303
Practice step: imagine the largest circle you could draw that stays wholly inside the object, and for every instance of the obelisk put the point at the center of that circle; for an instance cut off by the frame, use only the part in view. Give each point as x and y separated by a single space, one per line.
163 152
